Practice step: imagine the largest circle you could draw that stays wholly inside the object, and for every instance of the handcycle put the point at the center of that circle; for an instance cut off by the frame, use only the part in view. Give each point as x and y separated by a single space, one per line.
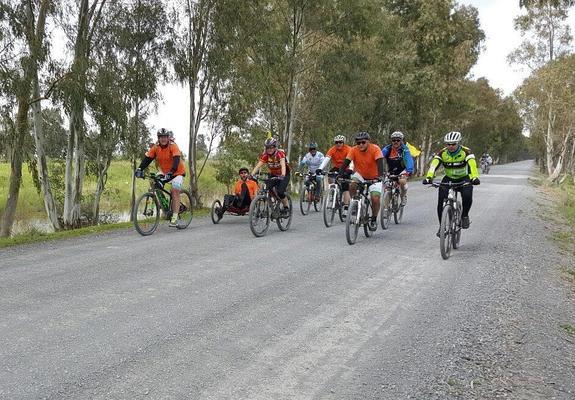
333 201
391 201
359 212
216 211
450 226
147 209
307 193
266 207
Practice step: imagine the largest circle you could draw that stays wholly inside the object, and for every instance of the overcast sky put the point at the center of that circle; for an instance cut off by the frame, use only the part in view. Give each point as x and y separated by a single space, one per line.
496 18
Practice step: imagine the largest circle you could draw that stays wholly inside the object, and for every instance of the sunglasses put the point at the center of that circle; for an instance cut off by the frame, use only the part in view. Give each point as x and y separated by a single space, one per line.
270 147
396 140
338 142
451 144
360 141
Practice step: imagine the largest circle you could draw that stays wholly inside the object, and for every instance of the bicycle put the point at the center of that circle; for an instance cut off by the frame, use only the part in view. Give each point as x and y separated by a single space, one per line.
391 201
266 207
307 193
450 226
146 211
485 167
359 212
333 201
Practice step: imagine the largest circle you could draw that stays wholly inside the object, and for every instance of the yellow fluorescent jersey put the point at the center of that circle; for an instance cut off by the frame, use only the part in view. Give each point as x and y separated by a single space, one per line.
458 165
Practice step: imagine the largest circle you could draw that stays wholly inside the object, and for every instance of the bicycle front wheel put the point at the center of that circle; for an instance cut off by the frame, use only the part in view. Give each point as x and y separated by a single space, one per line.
259 218
445 232
285 222
456 237
397 209
186 212
352 222
330 202
146 214
385 213
304 200
319 202
367 213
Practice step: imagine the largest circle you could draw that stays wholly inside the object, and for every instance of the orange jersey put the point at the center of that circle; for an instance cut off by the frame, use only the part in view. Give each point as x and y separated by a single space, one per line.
338 155
273 162
365 162
165 158
252 188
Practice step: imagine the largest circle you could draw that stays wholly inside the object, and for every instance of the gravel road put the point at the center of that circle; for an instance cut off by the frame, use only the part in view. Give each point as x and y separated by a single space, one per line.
214 313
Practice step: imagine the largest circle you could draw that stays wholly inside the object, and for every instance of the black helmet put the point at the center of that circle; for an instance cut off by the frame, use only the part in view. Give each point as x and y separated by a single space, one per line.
243 169
163 132
362 135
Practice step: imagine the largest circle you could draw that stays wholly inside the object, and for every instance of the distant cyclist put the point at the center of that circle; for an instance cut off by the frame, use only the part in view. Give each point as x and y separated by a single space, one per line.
368 165
276 162
337 154
460 166
168 159
399 162
313 160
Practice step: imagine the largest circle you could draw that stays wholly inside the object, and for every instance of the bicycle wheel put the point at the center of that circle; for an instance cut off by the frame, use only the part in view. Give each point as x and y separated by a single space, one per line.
304 200
146 214
351 222
285 222
214 213
385 213
456 235
445 236
397 208
259 218
329 206
186 212
318 203
366 218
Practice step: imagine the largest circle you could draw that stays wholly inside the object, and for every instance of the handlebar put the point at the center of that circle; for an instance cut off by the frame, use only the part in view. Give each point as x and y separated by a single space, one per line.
450 184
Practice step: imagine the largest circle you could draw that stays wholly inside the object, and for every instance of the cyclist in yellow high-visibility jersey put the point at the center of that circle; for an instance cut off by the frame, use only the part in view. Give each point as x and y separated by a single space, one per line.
460 166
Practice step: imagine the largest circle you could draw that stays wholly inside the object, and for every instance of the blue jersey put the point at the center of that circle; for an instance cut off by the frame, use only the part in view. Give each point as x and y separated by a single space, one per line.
398 160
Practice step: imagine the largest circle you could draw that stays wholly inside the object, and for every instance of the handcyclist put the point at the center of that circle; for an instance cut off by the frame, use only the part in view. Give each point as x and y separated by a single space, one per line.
245 190
460 166
168 159
368 165
399 162
276 162
313 160
337 154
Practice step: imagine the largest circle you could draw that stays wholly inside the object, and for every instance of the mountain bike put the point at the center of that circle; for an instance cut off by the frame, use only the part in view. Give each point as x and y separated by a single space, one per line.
391 201
450 226
359 212
266 207
307 193
333 201
485 167
146 211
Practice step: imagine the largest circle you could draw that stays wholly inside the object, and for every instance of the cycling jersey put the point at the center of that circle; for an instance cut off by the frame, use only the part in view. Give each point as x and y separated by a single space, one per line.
398 160
365 162
313 162
457 165
251 185
337 156
164 156
273 161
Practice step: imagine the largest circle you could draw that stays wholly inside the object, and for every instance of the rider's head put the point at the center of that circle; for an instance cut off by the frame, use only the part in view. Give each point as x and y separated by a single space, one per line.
312 147
397 139
339 141
244 173
163 137
452 140
271 145
362 139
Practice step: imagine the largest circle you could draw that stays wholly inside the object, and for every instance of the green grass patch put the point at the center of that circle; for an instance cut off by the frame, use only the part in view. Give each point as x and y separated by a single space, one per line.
570 329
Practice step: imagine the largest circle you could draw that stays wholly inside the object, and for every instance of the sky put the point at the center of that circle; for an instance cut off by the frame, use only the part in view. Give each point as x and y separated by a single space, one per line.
496 19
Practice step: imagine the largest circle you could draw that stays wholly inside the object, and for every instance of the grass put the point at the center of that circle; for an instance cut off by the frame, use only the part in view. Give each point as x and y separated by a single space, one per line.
570 329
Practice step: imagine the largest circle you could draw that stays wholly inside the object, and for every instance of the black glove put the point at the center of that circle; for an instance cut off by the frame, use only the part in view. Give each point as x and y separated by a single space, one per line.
169 176
475 181
319 171
427 181
139 173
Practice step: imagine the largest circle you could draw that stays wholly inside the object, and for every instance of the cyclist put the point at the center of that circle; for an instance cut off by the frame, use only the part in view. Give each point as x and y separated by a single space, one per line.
169 163
460 166
245 190
399 162
486 159
313 160
368 165
276 162
337 154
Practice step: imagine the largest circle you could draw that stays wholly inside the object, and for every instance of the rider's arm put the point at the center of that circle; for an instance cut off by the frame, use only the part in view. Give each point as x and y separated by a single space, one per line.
283 166
343 167
408 159
145 162
175 164
304 161
257 167
324 162
473 173
433 166
380 169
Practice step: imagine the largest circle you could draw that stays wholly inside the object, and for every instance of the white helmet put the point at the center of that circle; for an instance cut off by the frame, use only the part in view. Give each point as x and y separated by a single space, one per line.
339 138
397 134
452 137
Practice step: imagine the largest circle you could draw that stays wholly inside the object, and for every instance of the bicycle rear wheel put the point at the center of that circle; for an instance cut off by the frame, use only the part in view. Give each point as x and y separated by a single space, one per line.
214 213
329 206
259 218
352 223
385 213
304 200
186 212
397 208
285 222
146 214
445 237
367 217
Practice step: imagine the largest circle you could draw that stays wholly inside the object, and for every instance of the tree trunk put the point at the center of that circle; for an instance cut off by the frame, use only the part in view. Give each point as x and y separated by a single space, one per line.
549 138
291 117
192 147
100 186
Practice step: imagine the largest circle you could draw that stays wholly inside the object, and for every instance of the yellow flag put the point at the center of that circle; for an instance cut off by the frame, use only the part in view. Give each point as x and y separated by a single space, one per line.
413 150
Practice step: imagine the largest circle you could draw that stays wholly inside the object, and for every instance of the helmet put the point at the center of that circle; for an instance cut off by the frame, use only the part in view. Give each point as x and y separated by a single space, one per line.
243 169
452 137
312 145
362 135
163 132
171 135
271 142
397 135
339 138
